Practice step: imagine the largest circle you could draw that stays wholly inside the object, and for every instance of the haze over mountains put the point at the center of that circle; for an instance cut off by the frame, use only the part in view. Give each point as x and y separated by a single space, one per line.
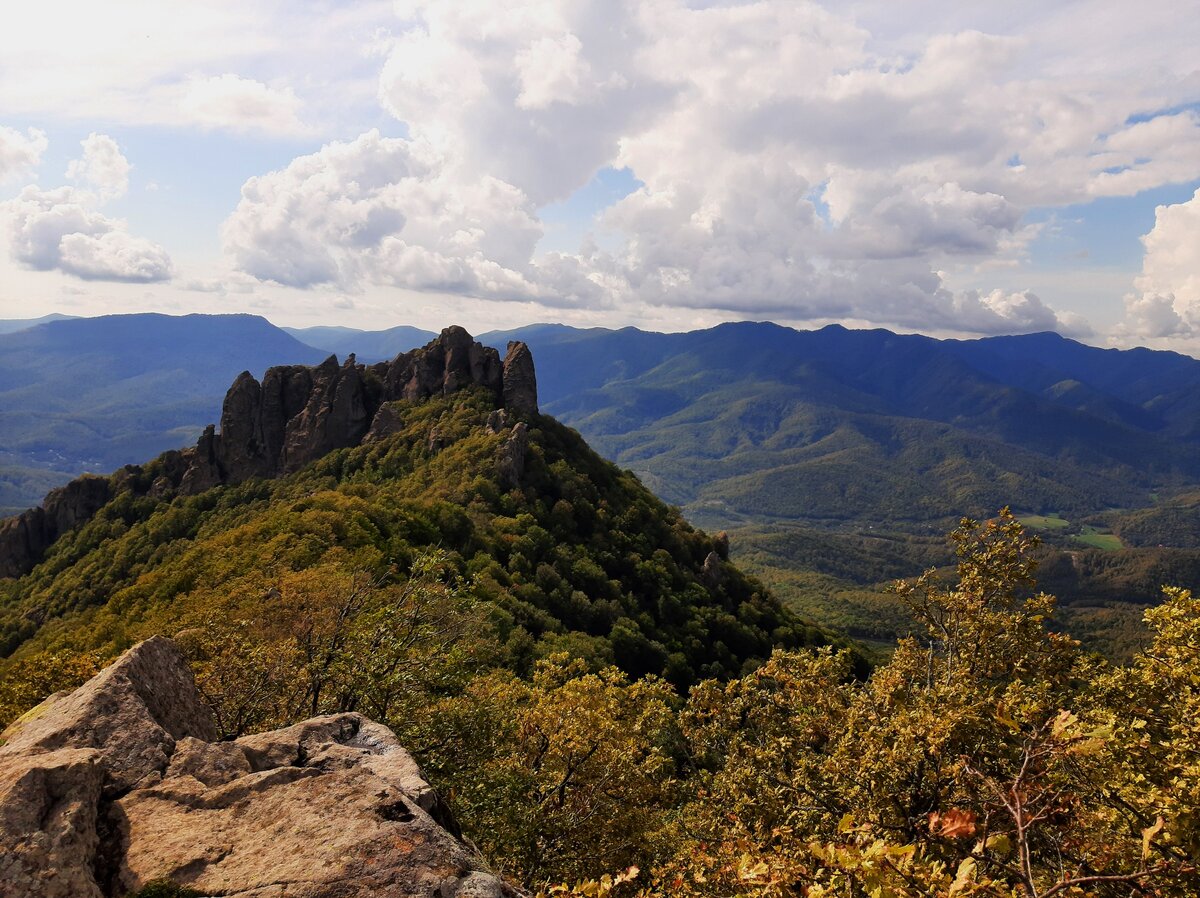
369 346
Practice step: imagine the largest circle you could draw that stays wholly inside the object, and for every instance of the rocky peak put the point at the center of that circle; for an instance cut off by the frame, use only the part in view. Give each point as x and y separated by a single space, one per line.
294 416
520 381
299 414
24 538
122 782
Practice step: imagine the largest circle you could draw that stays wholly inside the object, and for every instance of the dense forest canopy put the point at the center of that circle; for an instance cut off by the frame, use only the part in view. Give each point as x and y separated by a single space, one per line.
577 557
989 756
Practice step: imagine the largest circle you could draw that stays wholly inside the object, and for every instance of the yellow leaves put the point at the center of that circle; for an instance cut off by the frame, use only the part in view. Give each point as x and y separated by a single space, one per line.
750 869
25 683
964 878
1067 730
1000 843
593 888
1003 717
1063 724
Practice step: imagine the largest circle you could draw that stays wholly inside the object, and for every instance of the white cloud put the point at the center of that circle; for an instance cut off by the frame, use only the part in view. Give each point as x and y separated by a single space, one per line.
1022 312
792 160
62 228
1153 316
1172 263
382 210
536 94
241 104
20 152
148 62
102 167
1167 301
550 70
113 255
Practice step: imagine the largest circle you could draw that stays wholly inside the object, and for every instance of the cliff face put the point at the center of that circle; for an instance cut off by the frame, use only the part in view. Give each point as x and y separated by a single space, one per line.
294 416
297 414
122 782
25 537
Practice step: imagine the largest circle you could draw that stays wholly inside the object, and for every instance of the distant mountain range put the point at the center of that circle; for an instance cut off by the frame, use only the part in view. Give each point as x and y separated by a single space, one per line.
836 457
368 346
756 421
12 325
92 394
741 422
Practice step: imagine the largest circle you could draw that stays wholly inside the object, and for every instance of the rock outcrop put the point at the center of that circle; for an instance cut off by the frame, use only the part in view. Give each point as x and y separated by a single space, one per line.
520 381
121 783
510 465
293 417
24 538
298 414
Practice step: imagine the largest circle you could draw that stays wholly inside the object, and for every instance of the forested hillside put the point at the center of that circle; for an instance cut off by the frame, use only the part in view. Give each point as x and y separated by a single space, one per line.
575 556
608 704
852 441
836 458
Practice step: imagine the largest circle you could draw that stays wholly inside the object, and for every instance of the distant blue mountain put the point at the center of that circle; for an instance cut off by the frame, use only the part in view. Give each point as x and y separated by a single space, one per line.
12 325
96 393
744 421
368 346
757 421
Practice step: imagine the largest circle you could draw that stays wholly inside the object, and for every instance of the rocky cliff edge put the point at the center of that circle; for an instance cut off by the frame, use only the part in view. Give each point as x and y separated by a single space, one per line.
122 782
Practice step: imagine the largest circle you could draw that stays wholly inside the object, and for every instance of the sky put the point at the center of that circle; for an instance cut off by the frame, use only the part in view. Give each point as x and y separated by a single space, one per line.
951 167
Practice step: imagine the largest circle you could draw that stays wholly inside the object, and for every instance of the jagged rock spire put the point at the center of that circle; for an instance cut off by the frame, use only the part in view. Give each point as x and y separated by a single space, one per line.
520 381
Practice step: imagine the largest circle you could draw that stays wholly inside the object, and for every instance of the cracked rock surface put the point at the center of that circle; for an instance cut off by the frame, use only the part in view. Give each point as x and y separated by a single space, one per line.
121 782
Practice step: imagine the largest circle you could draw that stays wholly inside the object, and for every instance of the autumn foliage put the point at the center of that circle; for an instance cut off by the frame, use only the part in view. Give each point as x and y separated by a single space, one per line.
592 686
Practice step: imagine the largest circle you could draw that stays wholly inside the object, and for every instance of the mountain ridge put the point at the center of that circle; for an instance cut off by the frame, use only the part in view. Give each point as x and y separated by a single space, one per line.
92 394
1081 411
295 416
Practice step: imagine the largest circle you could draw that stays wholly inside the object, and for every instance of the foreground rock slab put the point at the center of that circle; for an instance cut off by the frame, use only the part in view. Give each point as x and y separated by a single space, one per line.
121 783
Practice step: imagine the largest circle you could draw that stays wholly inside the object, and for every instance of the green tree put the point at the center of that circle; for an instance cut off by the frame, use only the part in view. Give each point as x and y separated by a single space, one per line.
561 776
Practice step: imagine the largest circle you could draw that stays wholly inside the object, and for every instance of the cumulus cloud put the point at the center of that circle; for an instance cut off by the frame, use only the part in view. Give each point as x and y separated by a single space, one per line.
20 152
241 104
63 228
389 211
1153 316
103 166
1167 301
113 255
785 165
536 94
998 312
